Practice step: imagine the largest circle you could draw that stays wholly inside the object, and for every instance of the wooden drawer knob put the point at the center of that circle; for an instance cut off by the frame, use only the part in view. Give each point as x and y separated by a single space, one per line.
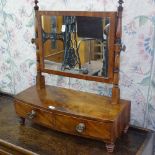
33 40
31 114
80 127
123 48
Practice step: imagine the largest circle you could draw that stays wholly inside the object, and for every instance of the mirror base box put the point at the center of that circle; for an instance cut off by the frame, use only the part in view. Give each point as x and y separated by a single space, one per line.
74 112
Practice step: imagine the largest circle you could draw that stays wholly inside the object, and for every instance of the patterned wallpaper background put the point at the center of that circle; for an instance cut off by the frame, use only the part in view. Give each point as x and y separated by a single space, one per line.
137 82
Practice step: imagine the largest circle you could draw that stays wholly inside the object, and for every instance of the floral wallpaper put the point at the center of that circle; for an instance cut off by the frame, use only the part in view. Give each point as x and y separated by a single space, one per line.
137 80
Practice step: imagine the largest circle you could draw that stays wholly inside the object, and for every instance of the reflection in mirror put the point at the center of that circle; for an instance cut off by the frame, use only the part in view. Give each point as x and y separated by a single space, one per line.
76 44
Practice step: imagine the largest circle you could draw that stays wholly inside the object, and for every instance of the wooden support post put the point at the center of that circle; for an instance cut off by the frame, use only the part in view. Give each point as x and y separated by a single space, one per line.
40 79
118 46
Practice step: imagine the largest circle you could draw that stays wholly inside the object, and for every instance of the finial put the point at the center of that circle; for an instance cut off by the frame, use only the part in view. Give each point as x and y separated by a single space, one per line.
120 7
120 1
36 7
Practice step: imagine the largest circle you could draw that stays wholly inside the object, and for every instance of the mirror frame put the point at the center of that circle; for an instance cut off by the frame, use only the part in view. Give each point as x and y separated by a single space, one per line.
111 47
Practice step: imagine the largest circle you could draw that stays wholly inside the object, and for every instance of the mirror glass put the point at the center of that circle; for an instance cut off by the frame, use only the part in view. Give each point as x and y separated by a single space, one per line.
76 44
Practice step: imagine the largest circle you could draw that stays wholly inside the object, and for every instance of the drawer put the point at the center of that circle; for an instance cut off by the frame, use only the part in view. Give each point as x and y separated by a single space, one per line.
40 116
84 127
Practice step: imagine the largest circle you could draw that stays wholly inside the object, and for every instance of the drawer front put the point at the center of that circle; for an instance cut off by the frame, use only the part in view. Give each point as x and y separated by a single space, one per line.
37 115
84 127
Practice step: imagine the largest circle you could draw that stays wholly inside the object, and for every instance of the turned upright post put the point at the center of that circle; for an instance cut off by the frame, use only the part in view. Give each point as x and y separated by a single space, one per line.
118 46
40 79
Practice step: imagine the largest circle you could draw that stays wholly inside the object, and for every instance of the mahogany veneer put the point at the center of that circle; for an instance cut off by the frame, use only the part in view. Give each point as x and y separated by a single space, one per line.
79 113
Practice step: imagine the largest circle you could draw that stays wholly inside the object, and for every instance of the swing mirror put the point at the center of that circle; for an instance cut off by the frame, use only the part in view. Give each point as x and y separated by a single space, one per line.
77 45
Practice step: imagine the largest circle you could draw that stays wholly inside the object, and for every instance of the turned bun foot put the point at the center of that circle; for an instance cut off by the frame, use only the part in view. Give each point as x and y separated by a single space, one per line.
21 121
110 147
126 129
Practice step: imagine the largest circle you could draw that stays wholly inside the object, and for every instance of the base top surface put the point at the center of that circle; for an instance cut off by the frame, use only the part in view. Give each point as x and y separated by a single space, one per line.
72 102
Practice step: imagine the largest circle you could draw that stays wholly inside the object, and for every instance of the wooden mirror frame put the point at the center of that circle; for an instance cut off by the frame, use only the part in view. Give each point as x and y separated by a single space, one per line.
111 41
115 48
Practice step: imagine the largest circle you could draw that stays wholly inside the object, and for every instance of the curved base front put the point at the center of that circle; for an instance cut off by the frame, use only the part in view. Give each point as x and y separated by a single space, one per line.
75 113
